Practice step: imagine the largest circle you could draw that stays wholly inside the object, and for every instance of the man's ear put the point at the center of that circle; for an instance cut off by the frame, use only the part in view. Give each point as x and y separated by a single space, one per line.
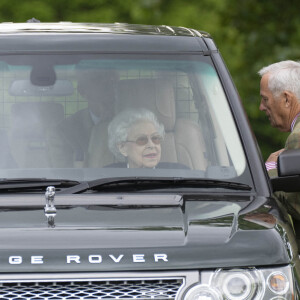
289 97
123 149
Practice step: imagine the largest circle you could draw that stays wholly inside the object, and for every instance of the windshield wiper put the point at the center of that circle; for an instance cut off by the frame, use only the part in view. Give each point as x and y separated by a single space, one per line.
150 183
34 183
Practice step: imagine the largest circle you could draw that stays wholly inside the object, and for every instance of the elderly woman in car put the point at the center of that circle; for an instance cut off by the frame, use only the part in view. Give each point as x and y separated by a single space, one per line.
134 137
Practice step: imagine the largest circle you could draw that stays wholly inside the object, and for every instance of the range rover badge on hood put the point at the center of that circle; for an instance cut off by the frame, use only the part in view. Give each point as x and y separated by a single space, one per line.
50 210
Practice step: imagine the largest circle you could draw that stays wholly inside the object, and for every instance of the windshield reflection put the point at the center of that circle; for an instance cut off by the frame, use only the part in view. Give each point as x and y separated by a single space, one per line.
87 117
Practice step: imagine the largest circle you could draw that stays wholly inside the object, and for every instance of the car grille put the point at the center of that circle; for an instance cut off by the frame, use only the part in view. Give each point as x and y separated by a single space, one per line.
88 290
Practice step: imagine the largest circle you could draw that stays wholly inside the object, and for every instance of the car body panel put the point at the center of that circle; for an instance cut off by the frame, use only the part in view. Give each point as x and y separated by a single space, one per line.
189 236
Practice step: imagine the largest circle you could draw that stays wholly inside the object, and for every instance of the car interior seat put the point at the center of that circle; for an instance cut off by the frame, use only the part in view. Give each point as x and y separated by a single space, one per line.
30 122
98 154
183 141
6 159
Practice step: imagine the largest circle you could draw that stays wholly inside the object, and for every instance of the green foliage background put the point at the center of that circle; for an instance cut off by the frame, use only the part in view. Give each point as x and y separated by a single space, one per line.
249 33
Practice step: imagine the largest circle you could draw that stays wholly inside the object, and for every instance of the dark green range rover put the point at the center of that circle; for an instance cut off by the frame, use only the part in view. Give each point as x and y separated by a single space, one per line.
129 171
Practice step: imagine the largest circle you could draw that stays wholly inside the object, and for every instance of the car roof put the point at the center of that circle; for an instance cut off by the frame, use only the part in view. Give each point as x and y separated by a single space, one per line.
113 28
115 37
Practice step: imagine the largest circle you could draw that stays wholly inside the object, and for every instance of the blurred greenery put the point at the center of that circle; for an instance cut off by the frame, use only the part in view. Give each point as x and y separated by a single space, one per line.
249 33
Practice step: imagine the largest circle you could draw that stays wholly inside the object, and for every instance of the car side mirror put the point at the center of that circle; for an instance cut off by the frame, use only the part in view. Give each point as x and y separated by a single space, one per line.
288 166
288 163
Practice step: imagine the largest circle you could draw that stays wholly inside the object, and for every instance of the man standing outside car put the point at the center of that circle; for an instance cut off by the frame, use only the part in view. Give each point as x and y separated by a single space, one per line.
280 100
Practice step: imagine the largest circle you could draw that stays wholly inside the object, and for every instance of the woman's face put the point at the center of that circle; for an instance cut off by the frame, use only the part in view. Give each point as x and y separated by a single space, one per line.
142 147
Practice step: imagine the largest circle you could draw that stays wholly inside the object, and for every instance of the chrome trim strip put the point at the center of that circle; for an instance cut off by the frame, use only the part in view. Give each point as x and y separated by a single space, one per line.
189 276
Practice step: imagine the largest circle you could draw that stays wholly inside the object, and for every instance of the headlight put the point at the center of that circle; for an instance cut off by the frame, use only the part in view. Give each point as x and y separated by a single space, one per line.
203 291
243 284
239 284
278 283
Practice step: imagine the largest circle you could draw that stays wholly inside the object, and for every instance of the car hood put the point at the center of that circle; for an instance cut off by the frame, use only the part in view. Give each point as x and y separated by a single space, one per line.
90 235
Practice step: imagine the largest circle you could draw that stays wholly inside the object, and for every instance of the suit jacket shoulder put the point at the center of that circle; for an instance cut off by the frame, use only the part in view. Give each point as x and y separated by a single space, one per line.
293 140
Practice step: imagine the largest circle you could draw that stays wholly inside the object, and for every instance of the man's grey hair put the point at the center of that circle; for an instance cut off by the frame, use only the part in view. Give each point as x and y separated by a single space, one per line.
119 127
283 76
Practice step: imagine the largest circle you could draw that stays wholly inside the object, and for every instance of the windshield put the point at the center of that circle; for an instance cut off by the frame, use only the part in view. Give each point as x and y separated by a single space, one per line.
87 117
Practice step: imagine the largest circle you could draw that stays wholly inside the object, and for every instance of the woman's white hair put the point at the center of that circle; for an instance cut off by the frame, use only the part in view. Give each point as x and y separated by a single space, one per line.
119 127
283 76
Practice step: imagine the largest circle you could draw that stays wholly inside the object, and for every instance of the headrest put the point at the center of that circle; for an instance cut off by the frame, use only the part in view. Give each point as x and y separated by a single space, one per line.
32 118
94 81
156 95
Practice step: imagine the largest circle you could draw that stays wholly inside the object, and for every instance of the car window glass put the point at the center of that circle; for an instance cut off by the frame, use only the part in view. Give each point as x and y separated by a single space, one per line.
56 111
